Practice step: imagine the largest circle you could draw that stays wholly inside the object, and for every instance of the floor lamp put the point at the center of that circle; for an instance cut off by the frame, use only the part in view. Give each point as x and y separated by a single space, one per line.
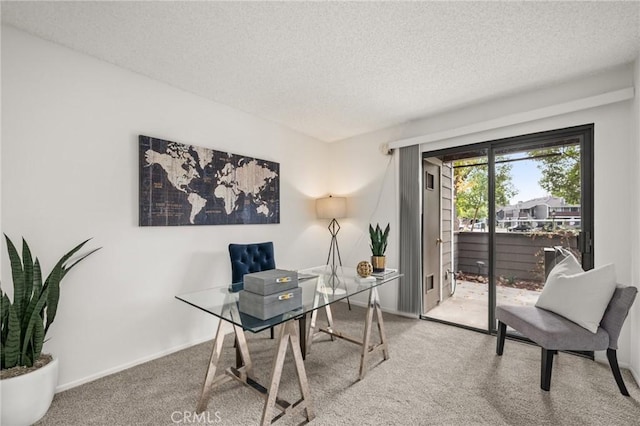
333 208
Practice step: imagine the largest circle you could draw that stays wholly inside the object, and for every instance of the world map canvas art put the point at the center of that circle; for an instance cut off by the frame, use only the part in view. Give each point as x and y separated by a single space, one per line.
190 185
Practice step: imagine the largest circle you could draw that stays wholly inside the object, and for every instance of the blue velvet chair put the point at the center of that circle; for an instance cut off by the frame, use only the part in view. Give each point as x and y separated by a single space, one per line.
249 258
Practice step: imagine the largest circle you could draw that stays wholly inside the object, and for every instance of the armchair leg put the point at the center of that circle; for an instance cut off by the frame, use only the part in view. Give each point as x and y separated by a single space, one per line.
502 331
613 362
272 336
545 368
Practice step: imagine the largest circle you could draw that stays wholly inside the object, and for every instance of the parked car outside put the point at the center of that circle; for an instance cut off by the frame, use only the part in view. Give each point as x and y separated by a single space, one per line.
522 227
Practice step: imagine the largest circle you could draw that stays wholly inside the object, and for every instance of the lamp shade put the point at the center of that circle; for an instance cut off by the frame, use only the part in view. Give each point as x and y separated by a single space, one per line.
331 207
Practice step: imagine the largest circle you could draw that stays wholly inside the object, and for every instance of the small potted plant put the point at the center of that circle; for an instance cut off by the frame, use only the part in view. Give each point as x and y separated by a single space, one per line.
378 247
28 377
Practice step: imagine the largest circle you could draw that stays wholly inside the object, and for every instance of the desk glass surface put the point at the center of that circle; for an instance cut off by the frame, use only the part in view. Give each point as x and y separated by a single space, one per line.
319 288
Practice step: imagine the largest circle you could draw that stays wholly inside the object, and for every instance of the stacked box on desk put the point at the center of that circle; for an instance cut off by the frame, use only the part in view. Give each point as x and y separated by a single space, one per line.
268 294
271 281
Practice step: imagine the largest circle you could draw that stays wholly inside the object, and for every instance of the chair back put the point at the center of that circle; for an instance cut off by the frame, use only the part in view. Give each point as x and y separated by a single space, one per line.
616 313
248 258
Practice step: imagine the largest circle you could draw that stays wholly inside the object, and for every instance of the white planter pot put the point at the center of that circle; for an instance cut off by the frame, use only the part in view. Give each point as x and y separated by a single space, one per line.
26 398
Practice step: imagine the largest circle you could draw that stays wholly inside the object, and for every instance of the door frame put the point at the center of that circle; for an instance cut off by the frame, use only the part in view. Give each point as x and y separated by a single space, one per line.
586 239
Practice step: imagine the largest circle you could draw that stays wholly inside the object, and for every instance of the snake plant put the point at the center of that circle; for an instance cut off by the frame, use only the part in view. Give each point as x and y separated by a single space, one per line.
378 239
26 321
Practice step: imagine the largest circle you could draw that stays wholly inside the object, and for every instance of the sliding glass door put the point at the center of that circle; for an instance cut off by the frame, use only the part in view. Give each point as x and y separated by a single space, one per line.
490 210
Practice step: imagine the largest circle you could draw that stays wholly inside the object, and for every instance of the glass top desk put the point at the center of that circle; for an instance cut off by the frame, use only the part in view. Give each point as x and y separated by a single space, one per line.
320 289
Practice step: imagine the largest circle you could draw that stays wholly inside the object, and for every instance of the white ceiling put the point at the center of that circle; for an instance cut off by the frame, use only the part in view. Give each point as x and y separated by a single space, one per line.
333 70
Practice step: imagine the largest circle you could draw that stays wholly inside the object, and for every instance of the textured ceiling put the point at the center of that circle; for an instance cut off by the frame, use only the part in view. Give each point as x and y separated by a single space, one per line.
338 69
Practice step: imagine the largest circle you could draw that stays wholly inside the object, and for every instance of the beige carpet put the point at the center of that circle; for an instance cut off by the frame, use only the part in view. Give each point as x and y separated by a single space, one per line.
437 374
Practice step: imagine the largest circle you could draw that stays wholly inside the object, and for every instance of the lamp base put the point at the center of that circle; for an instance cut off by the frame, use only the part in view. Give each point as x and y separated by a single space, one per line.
332 286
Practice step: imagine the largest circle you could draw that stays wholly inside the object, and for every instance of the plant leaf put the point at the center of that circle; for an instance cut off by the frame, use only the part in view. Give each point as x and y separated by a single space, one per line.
17 274
66 257
52 283
52 286
378 239
38 338
11 348
66 269
33 318
37 277
23 322
27 361
27 262
30 308
4 311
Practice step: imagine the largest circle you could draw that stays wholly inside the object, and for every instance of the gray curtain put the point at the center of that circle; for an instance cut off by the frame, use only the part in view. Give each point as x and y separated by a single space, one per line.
410 231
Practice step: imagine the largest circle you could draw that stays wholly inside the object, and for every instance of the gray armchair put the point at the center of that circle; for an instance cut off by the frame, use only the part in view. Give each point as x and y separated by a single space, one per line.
554 333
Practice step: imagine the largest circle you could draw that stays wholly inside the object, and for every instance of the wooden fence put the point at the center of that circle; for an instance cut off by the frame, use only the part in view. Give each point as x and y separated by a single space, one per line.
518 255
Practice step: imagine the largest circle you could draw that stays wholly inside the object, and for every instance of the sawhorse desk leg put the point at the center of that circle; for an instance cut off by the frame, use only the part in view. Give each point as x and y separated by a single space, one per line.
287 335
373 309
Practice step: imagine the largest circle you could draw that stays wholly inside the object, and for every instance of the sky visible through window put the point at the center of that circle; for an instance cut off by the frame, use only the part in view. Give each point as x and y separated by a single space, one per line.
525 176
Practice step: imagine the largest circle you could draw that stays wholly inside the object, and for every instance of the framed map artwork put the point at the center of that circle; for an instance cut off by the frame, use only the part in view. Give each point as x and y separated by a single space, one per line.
190 185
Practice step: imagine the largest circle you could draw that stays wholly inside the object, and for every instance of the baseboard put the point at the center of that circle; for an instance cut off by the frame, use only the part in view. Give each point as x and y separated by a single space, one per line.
635 375
601 358
128 365
627 366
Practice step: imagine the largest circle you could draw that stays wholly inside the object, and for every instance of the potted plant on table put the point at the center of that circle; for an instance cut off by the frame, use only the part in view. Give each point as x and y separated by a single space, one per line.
378 247
28 378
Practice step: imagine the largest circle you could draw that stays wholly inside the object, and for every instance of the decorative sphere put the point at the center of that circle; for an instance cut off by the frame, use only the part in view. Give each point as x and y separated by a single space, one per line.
364 269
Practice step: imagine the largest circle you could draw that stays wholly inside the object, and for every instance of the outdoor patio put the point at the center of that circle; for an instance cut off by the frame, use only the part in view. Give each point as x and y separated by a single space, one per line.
468 305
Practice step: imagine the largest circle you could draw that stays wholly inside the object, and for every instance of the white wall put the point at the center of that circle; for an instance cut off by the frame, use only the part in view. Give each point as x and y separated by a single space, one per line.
70 126
615 197
369 179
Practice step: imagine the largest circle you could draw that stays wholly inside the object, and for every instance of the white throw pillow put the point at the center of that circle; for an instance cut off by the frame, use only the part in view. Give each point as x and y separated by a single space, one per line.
579 296
567 266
